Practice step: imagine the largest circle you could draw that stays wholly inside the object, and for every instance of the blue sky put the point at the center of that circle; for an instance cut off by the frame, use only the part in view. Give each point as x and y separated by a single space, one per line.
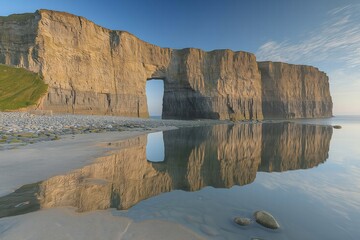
323 33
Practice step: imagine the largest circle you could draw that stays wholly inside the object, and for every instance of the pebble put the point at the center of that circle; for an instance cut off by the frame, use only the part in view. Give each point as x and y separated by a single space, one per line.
266 219
25 128
242 221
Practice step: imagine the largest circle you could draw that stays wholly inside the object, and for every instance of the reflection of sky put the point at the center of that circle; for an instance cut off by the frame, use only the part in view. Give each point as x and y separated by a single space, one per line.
333 186
155 150
318 203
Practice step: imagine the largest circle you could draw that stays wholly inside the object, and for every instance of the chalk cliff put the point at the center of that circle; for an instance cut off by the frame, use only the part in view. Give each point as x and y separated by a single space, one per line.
93 70
294 91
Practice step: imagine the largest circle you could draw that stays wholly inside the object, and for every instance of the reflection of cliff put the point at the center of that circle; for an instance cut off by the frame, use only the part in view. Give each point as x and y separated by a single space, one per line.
124 178
219 156
289 146
224 156
118 180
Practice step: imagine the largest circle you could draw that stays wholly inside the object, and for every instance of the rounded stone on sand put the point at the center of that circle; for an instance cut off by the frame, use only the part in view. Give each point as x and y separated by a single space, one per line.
242 221
266 219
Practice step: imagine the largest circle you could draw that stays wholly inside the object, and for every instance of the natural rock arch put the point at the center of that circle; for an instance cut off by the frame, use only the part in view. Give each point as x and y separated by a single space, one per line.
93 70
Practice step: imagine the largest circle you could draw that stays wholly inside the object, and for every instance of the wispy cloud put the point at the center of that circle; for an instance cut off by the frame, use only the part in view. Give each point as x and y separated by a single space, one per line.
335 48
335 41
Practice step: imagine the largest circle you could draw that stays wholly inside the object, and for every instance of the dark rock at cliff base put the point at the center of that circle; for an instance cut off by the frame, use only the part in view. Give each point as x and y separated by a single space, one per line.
266 219
337 127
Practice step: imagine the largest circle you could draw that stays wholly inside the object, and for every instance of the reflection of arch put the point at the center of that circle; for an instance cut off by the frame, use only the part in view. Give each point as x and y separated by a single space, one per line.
155 149
220 156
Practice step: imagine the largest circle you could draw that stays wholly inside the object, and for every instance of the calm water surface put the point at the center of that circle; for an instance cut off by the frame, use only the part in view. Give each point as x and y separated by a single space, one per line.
305 173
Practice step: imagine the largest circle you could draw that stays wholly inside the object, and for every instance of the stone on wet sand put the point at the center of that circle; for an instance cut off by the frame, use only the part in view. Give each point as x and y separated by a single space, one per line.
266 219
337 127
242 221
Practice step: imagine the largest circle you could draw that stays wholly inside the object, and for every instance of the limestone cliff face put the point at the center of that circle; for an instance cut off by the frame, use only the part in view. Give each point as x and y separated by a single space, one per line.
294 91
18 41
93 70
220 84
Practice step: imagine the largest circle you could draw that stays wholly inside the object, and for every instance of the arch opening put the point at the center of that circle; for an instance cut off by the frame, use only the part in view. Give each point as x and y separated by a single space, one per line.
154 97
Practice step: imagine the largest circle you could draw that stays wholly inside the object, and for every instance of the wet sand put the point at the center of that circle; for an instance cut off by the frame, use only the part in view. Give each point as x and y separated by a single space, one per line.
39 161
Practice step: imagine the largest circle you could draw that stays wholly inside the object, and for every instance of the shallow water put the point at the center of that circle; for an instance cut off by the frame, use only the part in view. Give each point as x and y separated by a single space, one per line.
306 175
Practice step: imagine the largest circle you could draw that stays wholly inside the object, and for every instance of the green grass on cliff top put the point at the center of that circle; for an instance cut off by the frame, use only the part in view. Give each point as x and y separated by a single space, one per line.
19 88
17 17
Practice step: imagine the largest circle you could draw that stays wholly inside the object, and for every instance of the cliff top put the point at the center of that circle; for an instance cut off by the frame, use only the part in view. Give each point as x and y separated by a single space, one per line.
26 16
288 64
16 17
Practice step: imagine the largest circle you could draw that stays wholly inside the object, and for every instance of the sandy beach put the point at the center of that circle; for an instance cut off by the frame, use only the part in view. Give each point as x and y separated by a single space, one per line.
102 185
29 163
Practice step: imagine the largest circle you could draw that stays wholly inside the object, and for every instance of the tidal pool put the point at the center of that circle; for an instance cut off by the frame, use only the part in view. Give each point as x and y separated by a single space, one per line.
305 173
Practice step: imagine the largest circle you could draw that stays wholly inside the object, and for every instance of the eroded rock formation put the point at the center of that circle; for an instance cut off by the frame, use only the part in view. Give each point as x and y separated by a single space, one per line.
294 91
93 70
